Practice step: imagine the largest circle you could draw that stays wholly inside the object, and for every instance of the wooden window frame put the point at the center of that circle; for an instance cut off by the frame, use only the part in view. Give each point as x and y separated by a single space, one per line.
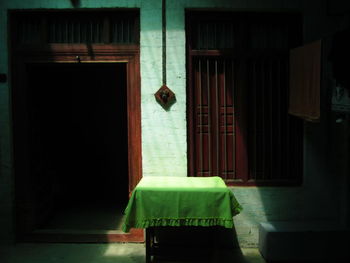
242 141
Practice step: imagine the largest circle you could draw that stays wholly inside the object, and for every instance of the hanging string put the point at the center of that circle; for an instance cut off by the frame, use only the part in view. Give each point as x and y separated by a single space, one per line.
164 41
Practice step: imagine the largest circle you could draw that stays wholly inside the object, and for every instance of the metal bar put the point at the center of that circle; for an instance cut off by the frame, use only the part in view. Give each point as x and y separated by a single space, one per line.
215 36
207 36
115 31
66 33
57 29
132 29
231 36
263 119
198 36
233 117
97 31
225 124
119 31
122 31
209 118
271 175
53 32
101 28
60 32
21 31
255 88
91 32
128 31
287 121
79 32
71 30
83 33
217 119
200 117
278 119
74 25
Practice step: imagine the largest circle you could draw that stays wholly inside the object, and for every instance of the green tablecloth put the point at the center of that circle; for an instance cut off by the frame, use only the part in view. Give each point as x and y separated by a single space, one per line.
180 201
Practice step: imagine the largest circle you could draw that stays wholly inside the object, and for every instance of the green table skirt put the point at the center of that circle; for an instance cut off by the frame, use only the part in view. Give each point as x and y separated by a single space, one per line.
181 201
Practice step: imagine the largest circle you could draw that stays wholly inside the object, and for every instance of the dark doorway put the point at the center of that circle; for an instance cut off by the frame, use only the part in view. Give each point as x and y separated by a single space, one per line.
78 145
76 122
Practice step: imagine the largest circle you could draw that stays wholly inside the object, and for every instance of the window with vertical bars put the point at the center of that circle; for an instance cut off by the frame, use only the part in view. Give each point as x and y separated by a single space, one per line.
75 29
118 27
239 127
214 117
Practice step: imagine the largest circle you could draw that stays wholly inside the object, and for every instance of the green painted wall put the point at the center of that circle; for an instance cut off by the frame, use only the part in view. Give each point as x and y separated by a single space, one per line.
164 141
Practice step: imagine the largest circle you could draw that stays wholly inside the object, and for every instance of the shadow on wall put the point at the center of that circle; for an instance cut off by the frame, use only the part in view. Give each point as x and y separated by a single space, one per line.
75 3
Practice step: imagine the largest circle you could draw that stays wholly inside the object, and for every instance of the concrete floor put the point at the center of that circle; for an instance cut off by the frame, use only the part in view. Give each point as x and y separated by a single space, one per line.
106 253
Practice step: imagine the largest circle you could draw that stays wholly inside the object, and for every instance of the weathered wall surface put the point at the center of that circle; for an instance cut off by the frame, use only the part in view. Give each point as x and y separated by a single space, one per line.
164 141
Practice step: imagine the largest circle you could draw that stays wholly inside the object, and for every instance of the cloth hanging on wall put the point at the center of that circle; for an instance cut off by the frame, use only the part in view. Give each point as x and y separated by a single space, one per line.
305 81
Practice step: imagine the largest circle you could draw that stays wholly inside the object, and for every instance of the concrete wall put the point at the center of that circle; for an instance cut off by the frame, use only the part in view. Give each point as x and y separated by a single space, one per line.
164 142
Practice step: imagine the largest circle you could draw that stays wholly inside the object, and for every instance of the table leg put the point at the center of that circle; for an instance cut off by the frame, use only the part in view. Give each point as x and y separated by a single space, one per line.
149 244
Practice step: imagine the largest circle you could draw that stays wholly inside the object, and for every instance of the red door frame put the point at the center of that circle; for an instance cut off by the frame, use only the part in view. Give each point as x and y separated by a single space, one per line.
64 53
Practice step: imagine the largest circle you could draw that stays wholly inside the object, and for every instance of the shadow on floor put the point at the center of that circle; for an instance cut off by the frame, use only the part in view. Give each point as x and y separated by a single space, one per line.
199 244
108 253
105 217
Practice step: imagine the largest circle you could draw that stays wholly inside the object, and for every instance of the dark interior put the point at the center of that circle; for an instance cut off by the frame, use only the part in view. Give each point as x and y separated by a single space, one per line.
78 150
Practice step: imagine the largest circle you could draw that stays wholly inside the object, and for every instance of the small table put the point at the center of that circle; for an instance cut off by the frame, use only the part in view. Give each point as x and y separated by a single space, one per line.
159 201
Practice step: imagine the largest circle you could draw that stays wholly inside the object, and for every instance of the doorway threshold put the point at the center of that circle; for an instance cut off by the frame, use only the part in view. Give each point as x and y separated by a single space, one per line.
84 236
